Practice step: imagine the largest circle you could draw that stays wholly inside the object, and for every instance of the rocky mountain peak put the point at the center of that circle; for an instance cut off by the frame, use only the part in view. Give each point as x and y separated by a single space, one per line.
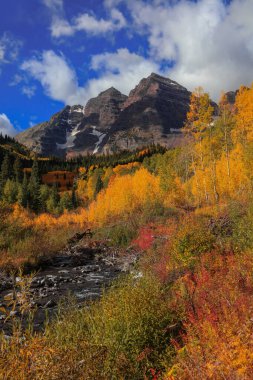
154 112
105 107
162 80
111 92
154 86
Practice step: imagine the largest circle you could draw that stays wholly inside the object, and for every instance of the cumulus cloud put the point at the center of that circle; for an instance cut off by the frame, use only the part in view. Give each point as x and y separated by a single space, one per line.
203 42
6 127
200 42
121 69
61 27
90 24
87 23
209 44
55 75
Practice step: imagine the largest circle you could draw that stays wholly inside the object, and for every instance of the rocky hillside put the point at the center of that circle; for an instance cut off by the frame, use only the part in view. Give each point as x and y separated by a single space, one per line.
153 112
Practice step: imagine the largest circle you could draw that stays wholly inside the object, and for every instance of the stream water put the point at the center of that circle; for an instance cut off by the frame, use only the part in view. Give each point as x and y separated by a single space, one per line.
83 269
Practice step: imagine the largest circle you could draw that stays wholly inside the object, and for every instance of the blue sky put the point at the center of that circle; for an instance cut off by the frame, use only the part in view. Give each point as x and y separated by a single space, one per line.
58 52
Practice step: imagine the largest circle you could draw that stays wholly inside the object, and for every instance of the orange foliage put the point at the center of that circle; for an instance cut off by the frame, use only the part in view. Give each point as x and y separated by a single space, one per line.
121 169
82 170
244 115
124 195
143 152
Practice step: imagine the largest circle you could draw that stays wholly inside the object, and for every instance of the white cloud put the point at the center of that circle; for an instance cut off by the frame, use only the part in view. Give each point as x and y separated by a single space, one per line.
29 91
111 3
210 44
16 80
200 42
61 27
87 23
6 127
55 75
90 24
9 48
121 69
56 5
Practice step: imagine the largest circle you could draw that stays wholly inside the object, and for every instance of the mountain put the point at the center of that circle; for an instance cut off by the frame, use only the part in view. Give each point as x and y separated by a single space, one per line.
154 112
49 138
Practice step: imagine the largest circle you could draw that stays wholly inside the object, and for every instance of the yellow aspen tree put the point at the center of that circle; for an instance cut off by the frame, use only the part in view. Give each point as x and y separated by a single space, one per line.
199 119
244 116
227 125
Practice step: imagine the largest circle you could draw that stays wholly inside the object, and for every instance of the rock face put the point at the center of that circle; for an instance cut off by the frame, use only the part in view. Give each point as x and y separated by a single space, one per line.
105 108
56 135
154 112
231 96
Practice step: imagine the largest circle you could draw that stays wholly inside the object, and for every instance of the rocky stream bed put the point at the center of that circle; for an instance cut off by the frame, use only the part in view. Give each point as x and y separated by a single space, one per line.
83 269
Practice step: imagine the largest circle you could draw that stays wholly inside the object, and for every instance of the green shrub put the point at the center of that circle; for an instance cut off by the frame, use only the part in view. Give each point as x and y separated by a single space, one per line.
125 333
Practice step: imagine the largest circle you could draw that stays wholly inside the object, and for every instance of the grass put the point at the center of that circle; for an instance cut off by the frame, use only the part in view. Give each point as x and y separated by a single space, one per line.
123 336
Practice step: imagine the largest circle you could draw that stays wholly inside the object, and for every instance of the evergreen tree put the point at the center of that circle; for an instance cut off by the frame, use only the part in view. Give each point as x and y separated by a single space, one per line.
10 191
5 172
34 187
66 202
23 195
99 185
74 199
55 195
44 195
35 176
53 201
17 167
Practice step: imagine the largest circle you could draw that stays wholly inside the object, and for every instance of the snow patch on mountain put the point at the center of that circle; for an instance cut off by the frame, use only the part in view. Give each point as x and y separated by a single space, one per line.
81 110
100 137
69 138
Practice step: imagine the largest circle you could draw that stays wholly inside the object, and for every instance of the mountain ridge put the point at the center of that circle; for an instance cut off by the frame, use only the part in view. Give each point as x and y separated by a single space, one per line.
153 112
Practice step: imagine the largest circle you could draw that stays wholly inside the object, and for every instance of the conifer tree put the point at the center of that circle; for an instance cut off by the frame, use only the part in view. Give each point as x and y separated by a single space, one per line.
10 191
17 167
24 192
99 185
44 195
5 173
74 199
34 187
66 202
53 201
